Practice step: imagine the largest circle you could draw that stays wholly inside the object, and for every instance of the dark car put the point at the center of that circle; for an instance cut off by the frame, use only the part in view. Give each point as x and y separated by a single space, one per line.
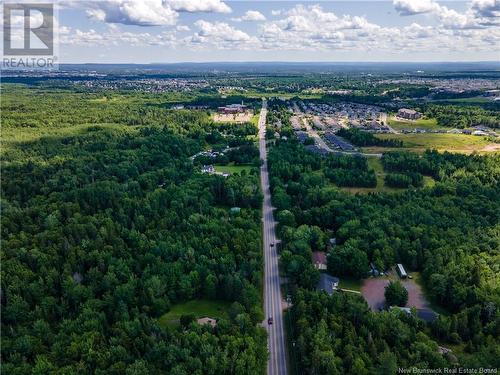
270 320
272 244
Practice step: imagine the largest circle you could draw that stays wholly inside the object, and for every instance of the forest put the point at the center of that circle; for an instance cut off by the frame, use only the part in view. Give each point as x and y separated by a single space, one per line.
363 139
450 233
106 225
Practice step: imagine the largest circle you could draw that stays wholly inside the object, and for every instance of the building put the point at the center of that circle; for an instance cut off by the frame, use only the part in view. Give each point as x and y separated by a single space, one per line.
409 114
206 320
319 260
233 108
373 270
401 271
327 283
427 315
208 169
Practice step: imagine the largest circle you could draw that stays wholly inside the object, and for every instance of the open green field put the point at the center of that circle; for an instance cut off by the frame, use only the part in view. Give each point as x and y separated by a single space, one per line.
375 164
351 284
232 169
200 308
422 123
460 143
475 100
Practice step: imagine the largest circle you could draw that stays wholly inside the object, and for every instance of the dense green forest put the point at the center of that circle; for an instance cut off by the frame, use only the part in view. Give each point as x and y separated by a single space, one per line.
450 233
106 224
462 116
363 138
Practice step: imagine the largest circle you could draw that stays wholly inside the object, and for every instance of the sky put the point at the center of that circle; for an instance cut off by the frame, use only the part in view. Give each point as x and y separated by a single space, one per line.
167 31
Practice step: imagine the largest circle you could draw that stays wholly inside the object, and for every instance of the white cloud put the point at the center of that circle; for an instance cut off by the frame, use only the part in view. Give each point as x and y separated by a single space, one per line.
251 16
411 7
481 13
215 6
147 12
220 31
130 12
486 8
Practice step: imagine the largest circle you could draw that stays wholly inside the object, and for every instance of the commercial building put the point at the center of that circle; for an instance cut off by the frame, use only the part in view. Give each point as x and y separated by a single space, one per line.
409 114
233 108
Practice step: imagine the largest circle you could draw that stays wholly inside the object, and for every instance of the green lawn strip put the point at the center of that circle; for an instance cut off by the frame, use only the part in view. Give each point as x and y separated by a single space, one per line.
232 169
441 142
422 123
350 284
200 308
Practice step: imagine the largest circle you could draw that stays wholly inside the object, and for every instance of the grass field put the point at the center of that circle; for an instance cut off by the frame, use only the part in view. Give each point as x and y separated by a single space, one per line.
232 169
442 142
375 164
200 308
422 123
351 284
476 100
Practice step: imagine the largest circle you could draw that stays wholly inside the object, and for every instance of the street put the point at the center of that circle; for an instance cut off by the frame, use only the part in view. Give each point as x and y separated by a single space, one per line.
272 293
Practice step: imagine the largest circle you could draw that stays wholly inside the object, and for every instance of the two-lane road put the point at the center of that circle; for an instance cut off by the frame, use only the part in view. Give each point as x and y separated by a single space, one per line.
272 291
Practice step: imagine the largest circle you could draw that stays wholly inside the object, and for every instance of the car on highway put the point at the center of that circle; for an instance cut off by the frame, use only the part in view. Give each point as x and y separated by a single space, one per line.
270 320
272 244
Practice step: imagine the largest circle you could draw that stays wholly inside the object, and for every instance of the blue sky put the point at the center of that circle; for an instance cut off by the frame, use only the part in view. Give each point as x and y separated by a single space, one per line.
128 31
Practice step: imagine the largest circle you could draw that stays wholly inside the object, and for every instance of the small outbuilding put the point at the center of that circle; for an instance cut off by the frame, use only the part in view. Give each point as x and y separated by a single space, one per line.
401 271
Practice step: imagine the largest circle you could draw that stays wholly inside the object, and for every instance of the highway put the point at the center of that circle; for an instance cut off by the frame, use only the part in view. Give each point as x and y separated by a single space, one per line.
277 364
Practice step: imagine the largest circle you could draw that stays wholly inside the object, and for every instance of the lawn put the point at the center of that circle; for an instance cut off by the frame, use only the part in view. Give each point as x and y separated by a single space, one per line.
350 283
461 143
375 164
422 123
200 308
233 169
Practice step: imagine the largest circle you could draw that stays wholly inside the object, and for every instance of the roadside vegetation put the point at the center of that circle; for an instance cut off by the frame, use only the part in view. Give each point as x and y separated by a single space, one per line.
107 225
447 232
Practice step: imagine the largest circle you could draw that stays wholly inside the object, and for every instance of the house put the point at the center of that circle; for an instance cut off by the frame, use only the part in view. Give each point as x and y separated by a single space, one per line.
427 315
327 283
409 114
373 270
208 169
479 133
319 260
207 321
401 271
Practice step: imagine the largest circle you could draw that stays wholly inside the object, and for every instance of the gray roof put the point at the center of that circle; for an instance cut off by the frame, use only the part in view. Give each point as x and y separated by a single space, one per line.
327 283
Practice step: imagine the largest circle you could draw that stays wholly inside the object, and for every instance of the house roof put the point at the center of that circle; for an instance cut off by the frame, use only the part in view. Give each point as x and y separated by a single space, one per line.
318 257
207 320
327 283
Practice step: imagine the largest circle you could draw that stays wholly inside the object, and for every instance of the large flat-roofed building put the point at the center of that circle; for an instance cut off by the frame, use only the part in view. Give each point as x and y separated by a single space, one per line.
233 108
409 114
